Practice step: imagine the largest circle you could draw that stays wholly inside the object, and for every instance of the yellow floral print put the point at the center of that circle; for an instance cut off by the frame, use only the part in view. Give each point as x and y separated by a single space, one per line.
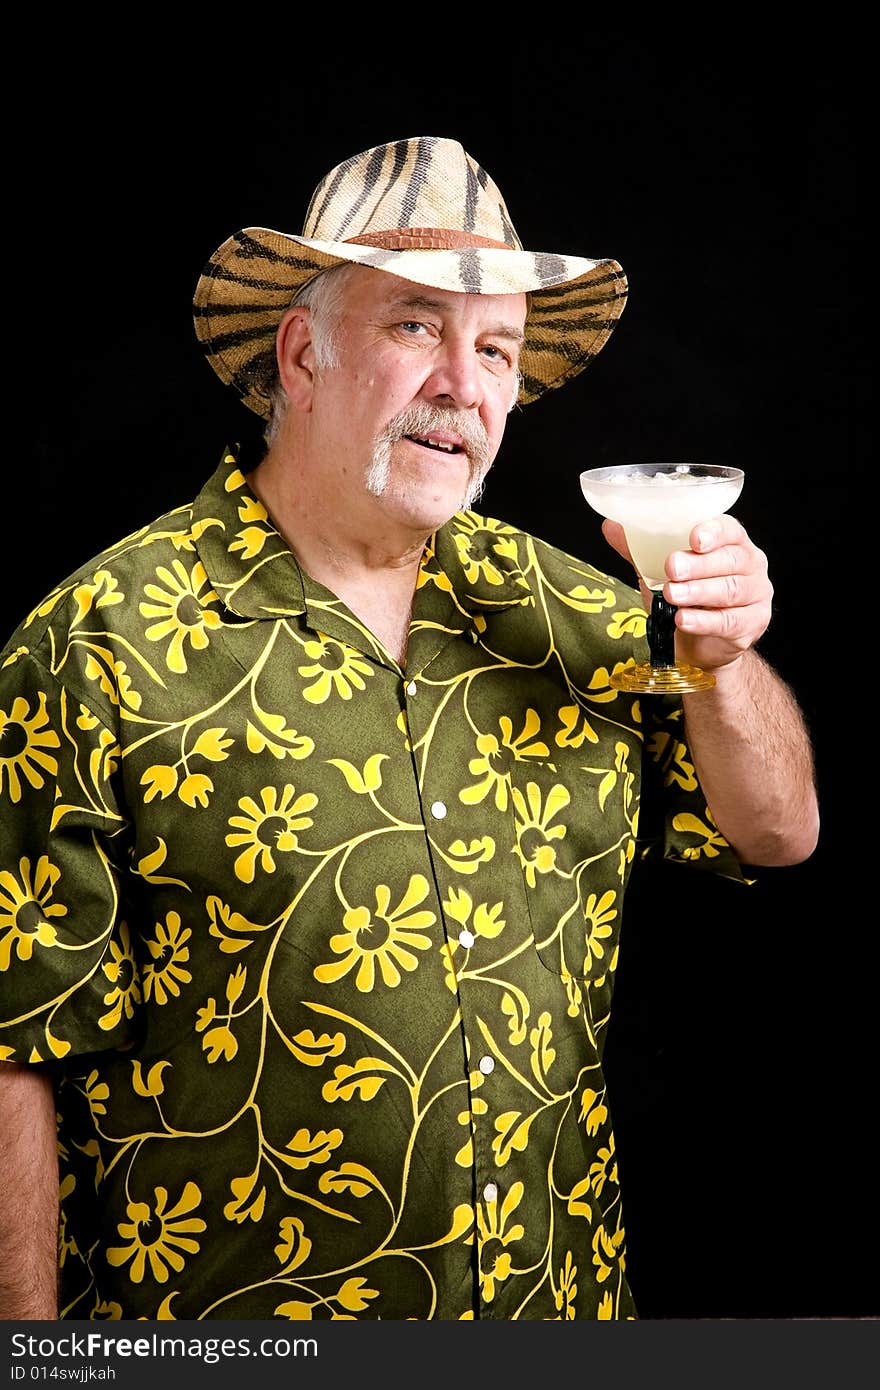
381 940
599 914
607 1251
162 1236
494 1234
492 767
182 611
487 921
574 728
196 787
166 971
606 1307
273 735
105 1311
711 841
467 858
90 594
272 826
335 666
633 621
605 1168
674 757
353 1297
481 542
24 739
534 831
66 1245
96 1093
220 1041
121 971
293 1245
251 539
566 1293
25 906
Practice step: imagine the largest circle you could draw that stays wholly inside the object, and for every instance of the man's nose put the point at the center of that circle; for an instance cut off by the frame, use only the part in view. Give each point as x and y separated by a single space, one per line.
455 376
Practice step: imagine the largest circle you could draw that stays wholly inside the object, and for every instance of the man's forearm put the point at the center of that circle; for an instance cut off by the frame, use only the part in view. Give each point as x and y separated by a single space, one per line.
752 754
29 1196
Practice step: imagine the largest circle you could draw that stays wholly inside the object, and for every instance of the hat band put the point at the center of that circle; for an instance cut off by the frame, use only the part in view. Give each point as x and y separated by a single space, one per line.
425 239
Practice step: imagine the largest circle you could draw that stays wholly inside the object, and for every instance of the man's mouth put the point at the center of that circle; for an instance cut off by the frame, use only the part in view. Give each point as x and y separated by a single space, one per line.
427 441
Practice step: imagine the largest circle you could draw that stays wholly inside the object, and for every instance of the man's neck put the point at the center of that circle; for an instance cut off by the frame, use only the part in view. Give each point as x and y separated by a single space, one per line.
374 575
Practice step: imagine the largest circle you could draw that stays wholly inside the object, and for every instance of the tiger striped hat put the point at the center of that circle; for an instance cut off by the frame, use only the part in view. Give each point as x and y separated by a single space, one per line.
426 211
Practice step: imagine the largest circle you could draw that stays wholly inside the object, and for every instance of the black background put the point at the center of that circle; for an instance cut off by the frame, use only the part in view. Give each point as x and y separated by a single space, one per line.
725 170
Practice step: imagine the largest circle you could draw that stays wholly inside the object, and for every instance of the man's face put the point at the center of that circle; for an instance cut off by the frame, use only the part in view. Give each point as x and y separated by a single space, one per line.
413 415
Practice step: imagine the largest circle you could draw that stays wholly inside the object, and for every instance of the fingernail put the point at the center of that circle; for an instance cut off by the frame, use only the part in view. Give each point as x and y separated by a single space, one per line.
706 536
679 565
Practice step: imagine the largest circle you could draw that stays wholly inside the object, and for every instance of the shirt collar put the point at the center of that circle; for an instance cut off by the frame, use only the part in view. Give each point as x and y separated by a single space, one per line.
474 564
249 564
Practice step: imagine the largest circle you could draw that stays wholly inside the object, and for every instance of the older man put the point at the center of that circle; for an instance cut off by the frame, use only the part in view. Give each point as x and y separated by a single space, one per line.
319 809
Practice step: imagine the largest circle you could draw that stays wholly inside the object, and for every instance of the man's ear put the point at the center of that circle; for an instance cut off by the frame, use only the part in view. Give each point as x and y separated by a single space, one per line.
296 356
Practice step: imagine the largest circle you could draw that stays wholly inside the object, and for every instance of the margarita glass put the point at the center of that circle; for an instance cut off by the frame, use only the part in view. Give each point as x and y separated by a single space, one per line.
658 505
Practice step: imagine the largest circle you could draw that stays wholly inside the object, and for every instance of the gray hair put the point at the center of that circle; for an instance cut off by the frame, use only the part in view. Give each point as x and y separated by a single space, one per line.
324 297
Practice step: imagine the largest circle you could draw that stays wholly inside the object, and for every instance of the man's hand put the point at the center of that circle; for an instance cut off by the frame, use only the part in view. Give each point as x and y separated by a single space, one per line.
720 587
747 737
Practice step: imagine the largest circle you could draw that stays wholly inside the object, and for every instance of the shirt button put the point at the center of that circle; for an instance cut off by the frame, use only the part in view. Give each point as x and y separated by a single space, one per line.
466 938
490 1192
486 1064
411 688
438 810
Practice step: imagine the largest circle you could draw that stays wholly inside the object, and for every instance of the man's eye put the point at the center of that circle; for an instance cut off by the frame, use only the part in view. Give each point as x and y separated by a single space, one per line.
495 353
411 326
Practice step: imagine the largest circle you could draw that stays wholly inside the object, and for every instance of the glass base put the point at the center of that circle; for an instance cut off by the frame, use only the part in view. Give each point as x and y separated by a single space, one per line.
645 679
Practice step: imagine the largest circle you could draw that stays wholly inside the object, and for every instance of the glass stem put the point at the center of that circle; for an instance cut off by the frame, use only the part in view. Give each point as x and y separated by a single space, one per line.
661 631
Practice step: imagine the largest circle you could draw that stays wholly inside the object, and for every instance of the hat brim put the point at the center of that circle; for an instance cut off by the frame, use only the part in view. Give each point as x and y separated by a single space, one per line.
250 280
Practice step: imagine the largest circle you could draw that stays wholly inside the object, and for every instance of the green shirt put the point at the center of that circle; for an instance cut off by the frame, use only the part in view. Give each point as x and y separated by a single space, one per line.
321 951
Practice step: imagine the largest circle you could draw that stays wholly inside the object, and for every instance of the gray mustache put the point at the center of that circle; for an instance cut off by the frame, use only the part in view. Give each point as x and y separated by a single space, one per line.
423 417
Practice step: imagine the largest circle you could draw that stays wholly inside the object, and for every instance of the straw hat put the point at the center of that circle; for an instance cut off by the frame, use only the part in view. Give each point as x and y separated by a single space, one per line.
422 209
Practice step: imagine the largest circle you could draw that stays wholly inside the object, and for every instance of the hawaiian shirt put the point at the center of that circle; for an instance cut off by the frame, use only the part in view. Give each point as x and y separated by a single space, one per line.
320 950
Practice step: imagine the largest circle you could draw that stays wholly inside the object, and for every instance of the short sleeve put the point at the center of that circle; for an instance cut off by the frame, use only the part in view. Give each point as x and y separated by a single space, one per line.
675 822
68 978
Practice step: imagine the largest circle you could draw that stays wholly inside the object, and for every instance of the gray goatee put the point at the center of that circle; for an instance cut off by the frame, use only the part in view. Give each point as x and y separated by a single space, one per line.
421 418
